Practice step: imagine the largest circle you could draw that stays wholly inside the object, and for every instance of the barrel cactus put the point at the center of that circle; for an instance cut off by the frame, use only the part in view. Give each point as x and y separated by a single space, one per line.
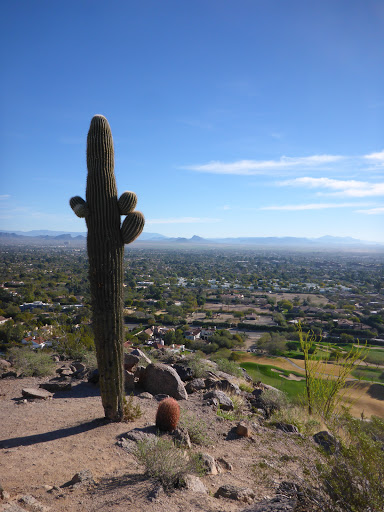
105 245
168 415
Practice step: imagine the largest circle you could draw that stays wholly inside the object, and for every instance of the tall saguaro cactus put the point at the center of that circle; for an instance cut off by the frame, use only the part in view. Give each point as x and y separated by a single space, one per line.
105 244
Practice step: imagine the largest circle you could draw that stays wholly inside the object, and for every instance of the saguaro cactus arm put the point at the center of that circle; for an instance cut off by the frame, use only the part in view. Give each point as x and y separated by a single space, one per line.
105 244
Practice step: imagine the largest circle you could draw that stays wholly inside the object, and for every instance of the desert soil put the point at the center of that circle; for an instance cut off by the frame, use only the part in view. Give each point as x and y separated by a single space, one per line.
44 443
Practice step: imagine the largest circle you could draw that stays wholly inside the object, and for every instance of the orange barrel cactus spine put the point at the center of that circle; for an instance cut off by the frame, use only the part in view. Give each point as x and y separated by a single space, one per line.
105 244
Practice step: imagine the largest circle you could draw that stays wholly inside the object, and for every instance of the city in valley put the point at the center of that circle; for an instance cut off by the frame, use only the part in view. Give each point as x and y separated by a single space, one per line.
236 303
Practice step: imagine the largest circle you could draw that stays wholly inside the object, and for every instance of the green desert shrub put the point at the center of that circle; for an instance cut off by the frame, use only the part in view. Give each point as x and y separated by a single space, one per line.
353 476
227 366
166 463
196 428
131 410
31 363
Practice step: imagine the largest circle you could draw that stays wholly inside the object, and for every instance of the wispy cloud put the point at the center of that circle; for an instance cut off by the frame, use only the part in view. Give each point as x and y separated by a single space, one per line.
310 206
4 196
183 220
346 188
373 211
255 167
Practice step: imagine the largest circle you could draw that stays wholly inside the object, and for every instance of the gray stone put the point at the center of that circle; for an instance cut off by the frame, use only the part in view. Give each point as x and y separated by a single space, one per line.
141 355
160 378
83 477
32 504
194 484
233 492
276 504
11 374
182 438
36 393
129 380
94 376
210 465
195 385
327 441
224 401
130 360
4 364
141 434
145 395
56 385
185 372
224 464
286 427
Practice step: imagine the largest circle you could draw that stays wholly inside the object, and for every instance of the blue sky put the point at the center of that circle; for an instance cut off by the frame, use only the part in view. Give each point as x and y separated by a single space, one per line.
230 118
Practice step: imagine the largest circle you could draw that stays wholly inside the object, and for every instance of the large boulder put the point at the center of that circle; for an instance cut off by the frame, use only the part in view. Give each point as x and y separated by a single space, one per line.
160 378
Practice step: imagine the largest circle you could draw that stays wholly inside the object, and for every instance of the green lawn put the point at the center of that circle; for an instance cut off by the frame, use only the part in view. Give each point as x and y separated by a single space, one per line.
264 373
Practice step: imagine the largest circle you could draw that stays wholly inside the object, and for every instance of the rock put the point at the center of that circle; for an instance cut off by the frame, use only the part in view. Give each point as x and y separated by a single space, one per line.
160 378
56 385
246 376
327 441
130 360
55 358
67 372
141 434
79 369
94 376
222 385
4 364
140 376
185 372
224 464
160 397
145 395
12 507
210 465
182 438
243 430
276 504
233 492
156 493
286 427
36 393
11 374
83 477
32 504
194 484
129 380
142 355
195 385
4 495
224 401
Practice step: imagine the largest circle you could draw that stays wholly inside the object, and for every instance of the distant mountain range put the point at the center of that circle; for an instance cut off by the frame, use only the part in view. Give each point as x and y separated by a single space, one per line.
47 237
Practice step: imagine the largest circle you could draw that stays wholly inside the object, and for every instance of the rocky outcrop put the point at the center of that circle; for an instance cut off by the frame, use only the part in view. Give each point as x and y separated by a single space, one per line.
160 378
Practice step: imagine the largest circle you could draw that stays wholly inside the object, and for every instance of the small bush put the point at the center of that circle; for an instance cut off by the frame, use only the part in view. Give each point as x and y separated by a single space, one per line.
299 417
198 366
229 367
245 386
354 476
131 411
31 363
196 428
166 463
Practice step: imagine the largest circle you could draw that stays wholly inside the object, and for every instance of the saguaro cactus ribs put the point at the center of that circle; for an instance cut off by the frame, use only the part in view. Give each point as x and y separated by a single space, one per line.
105 245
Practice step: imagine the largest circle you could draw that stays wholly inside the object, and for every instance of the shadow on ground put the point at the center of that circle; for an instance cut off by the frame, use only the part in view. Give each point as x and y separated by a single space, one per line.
376 391
53 435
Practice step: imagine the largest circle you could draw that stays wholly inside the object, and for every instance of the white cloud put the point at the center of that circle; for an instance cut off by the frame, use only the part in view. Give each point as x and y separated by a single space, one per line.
183 220
255 167
311 206
373 211
4 196
379 157
346 188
